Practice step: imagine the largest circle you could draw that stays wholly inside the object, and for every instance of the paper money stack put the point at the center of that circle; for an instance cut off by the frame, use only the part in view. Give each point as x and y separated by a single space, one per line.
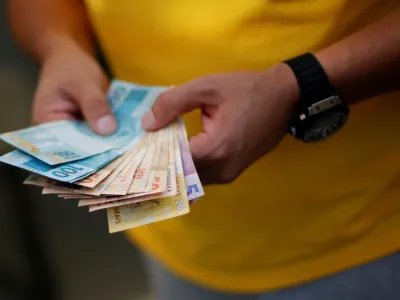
138 177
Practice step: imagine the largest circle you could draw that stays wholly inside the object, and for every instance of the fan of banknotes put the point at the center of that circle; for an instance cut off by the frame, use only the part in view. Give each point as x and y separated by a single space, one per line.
138 177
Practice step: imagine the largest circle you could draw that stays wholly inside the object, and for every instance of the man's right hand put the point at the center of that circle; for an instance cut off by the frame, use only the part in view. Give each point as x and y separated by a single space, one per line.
72 85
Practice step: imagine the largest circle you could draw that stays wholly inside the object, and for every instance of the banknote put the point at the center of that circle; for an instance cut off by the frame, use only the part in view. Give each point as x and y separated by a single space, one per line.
65 192
98 176
51 191
130 216
164 164
58 142
105 183
53 187
105 186
69 140
162 184
129 102
72 196
174 155
96 203
35 179
157 180
111 201
69 172
120 185
144 178
192 180
154 163
143 171
132 100
165 167
171 184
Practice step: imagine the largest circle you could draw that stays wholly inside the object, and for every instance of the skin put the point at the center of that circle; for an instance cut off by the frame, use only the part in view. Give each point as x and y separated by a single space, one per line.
245 115
72 84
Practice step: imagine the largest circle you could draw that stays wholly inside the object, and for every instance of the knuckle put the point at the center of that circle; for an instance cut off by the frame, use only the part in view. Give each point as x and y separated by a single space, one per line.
95 102
165 109
71 83
203 82
94 99
162 102
94 107
209 92
205 87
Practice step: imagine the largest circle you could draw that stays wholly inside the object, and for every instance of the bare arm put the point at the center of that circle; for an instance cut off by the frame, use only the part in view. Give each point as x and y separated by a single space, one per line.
71 84
366 63
40 26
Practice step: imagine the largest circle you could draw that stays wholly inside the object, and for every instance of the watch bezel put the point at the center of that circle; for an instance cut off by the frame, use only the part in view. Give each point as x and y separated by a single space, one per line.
304 123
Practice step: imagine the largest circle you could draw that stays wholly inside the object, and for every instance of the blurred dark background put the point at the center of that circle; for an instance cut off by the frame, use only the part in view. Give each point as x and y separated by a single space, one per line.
50 248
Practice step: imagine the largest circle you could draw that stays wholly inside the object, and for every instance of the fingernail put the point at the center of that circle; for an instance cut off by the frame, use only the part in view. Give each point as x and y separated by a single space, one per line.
106 125
149 121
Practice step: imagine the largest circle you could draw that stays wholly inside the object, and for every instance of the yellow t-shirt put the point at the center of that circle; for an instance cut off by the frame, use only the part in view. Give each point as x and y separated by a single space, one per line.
301 212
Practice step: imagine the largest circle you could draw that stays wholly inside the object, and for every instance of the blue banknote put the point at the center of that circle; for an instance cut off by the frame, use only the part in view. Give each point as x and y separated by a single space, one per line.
61 141
69 172
67 141
129 103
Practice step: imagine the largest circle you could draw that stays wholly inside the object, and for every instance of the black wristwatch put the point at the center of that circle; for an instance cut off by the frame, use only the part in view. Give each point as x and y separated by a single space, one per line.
321 112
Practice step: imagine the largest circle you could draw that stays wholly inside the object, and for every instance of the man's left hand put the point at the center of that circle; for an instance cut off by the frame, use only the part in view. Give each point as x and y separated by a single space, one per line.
244 116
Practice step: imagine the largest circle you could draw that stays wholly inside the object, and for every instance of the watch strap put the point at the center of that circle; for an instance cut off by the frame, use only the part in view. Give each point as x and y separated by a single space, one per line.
312 79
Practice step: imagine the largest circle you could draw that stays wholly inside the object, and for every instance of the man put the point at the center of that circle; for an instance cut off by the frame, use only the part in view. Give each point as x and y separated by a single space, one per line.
295 211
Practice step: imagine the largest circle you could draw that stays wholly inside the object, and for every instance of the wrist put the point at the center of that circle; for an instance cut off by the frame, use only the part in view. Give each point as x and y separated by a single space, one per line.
288 87
56 42
321 112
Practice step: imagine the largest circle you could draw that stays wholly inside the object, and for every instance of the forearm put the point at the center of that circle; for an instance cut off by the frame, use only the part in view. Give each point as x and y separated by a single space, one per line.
366 63
43 26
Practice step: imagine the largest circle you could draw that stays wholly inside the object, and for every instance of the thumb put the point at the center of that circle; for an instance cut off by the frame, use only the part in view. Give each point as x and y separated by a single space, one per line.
169 106
96 110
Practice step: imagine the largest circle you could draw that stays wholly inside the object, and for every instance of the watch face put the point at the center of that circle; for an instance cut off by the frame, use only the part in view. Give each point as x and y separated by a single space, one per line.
325 124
